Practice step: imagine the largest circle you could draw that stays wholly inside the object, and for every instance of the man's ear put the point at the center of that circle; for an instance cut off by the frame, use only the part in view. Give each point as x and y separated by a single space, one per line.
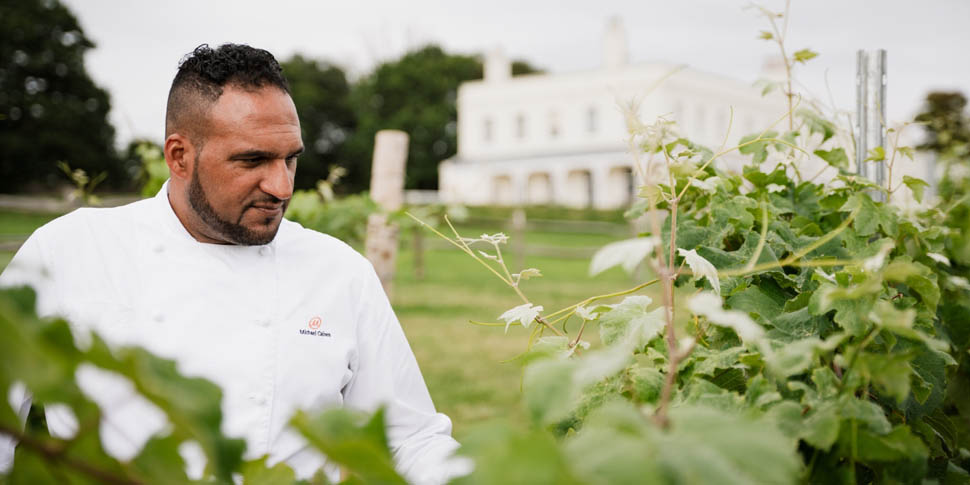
179 154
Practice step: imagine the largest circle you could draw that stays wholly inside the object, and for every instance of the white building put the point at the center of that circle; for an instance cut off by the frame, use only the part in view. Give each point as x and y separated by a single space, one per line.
561 138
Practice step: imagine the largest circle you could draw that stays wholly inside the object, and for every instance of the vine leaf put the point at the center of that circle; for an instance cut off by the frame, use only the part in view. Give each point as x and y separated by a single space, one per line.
804 55
629 320
525 314
627 254
916 185
835 157
708 305
701 268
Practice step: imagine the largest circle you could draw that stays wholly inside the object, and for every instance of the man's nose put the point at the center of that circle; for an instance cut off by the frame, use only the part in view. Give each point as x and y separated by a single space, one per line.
278 180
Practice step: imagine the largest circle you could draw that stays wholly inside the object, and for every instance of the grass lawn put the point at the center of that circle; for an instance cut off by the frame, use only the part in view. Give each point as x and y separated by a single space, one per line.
16 226
463 363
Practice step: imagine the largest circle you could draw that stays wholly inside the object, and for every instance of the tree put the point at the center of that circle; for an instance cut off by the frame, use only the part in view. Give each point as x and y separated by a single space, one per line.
417 94
947 124
320 92
50 109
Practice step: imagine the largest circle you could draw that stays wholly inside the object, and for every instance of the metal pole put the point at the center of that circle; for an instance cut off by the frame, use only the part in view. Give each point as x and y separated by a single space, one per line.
871 115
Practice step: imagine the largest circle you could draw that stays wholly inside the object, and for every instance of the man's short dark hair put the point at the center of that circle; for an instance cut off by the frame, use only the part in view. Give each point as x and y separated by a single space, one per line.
203 74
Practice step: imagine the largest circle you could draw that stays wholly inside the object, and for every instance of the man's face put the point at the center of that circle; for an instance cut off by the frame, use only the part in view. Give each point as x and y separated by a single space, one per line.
243 171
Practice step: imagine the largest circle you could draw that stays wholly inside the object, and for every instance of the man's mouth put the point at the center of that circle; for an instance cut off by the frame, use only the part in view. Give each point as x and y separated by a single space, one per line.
267 209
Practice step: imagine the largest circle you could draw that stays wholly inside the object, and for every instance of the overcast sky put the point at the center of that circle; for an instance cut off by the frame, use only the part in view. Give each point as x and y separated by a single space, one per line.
139 42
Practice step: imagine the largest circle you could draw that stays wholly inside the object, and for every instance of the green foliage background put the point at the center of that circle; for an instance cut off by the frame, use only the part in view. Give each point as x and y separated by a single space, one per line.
50 109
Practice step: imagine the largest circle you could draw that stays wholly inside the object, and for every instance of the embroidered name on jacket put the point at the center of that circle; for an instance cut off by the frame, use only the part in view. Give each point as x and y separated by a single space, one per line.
313 328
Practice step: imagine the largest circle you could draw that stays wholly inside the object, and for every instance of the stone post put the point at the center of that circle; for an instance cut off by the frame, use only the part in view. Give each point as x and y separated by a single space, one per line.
387 189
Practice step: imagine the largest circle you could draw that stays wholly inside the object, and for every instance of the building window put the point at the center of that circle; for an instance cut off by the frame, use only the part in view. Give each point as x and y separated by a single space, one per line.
553 125
520 126
591 120
487 130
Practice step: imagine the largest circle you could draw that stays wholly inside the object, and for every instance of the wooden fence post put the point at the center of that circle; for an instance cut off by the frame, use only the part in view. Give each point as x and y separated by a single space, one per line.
518 224
387 189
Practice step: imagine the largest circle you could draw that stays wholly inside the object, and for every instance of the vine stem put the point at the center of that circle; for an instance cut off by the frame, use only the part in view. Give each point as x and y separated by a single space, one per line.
798 255
603 297
55 453
892 161
761 240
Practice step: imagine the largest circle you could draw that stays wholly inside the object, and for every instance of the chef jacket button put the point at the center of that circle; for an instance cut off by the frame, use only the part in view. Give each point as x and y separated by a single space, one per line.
158 248
264 322
263 251
159 317
261 401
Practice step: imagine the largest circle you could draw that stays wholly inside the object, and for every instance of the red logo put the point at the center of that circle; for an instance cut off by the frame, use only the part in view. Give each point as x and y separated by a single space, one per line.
315 323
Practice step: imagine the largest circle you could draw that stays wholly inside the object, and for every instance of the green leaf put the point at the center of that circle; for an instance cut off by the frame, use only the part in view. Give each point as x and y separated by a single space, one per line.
709 362
793 358
905 151
826 383
754 300
866 412
817 124
916 185
160 462
761 392
501 451
546 347
890 373
629 320
256 472
761 179
765 35
704 393
917 276
787 417
192 405
943 427
835 157
821 427
551 388
877 154
646 385
548 390
899 444
709 446
797 325
759 149
870 216
352 440
804 55
929 373
611 448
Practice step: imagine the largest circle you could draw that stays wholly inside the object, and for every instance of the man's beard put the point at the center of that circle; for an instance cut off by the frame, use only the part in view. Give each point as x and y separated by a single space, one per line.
232 231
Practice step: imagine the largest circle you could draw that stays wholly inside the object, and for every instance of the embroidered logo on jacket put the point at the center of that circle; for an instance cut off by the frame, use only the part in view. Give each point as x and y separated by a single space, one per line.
313 328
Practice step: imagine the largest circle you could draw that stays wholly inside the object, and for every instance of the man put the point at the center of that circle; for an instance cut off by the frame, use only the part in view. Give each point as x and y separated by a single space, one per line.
208 273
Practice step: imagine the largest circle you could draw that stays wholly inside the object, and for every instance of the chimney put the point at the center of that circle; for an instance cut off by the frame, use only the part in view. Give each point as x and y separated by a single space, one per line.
614 44
497 66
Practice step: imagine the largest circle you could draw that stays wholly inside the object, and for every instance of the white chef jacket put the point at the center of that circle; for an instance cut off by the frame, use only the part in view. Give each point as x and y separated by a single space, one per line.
299 323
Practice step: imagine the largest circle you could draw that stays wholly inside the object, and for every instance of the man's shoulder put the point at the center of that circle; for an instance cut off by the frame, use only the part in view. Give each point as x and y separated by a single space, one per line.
303 242
94 219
